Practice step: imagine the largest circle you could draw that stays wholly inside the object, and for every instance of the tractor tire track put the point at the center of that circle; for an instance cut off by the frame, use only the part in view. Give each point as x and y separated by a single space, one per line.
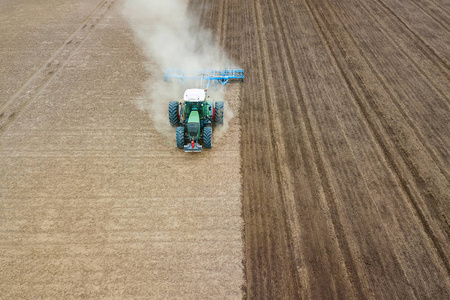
287 199
325 174
287 280
426 49
317 166
439 8
443 20
390 155
412 166
440 162
223 23
404 48
33 88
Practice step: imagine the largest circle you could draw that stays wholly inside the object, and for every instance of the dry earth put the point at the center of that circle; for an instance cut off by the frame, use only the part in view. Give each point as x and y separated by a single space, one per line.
94 202
342 139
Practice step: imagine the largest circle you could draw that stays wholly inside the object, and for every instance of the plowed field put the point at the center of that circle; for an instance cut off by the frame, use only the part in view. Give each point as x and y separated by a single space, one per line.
332 180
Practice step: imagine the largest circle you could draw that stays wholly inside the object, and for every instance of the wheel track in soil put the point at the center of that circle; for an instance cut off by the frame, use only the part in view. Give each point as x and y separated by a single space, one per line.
398 104
321 164
356 97
412 195
397 101
317 167
440 163
275 153
223 23
443 22
431 52
12 109
393 95
389 34
439 6
285 176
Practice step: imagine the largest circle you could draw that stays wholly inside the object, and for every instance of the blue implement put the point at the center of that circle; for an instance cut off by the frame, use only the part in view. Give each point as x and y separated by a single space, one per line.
206 76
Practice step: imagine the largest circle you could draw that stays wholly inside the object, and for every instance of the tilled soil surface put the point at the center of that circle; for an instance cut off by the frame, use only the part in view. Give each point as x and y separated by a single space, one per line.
340 146
95 203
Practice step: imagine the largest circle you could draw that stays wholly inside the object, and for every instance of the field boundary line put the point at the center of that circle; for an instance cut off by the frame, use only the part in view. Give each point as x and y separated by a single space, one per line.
33 88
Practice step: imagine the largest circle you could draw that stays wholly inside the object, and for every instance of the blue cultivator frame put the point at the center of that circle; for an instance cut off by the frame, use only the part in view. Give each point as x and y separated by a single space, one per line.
206 76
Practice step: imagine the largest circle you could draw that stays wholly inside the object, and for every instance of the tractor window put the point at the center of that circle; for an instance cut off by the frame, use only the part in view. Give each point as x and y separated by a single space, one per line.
193 129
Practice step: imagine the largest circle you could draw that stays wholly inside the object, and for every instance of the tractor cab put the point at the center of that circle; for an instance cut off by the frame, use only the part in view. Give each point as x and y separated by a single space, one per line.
193 101
194 95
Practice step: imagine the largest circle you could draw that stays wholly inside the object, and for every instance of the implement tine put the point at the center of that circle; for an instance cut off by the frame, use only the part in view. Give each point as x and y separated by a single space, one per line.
205 75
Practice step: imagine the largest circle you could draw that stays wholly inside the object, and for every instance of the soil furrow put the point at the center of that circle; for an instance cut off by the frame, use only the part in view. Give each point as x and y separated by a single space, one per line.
406 185
430 52
278 277
441 162
324 171
400 95
276 161
438 15
316 165
417 170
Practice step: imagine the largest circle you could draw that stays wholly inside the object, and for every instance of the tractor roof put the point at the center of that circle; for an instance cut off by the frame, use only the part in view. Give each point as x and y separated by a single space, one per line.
194 95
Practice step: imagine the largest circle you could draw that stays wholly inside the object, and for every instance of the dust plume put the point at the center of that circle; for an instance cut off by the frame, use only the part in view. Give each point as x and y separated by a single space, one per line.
171 37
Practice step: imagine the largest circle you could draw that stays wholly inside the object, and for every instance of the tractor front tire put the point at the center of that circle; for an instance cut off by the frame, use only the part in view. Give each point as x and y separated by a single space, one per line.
207 137
174 115
180 137
218 110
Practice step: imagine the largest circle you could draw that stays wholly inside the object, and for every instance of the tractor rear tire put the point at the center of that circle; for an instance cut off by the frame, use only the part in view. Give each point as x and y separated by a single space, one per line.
218 110
174 115
207 137
180 137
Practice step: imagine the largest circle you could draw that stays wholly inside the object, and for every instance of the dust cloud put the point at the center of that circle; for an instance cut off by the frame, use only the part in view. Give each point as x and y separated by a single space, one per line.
171 37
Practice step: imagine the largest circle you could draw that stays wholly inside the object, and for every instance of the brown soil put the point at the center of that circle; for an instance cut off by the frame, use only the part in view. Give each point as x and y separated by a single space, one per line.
345 147
340 146
94 202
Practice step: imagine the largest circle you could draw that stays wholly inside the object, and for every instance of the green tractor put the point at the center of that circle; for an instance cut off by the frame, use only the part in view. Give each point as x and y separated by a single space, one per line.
194 118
